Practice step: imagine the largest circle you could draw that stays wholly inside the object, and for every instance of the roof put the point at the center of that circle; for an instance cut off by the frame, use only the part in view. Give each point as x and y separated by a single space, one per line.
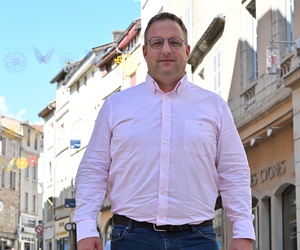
206 42
47 110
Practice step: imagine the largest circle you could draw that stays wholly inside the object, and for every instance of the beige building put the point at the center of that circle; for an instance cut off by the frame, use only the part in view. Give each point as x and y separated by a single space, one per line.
10 144
229 41
229 57
21 144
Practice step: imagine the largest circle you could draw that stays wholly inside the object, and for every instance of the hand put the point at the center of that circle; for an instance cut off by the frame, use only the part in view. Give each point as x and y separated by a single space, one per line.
241 244
92 243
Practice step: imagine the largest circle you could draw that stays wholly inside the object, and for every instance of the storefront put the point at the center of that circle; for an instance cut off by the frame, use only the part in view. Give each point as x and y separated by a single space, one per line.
48 237
271 160
61 235
28 236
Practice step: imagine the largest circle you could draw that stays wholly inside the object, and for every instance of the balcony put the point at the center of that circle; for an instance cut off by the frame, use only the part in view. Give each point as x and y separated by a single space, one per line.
264 95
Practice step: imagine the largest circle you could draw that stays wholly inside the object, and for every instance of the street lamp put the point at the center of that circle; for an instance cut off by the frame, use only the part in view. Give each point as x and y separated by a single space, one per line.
273 55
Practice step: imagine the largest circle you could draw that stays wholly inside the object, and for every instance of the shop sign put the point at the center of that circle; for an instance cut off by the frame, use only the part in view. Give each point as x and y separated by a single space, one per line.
268 173
60 231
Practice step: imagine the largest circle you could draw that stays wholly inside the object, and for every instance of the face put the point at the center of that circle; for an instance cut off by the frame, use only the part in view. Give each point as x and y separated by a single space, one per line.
165 65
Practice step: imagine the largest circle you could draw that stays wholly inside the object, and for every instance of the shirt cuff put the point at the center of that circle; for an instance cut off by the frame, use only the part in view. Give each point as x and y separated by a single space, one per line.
86 229
243 230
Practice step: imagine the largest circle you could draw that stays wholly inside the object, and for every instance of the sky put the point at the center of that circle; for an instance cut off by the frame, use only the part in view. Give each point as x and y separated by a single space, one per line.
39 37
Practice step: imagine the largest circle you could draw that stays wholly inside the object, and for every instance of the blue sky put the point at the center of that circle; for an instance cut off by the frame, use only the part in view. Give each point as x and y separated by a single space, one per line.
39 37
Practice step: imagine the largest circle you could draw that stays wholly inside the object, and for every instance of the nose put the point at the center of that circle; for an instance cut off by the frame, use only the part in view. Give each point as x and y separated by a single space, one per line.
166 49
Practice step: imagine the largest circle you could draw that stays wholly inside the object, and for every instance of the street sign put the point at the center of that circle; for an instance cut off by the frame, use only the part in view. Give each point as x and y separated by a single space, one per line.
39 229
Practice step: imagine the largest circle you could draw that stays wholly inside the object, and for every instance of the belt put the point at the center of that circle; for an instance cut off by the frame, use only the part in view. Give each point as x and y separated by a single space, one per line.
123 220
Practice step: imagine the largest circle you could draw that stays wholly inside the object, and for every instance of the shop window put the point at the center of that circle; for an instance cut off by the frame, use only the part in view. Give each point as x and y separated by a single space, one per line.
255 221
218 223
62 244
26 246
265 216
289 218
49 246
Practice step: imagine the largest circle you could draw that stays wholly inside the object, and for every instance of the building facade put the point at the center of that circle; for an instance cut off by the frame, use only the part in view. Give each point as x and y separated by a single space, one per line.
254 68
10 145
20 147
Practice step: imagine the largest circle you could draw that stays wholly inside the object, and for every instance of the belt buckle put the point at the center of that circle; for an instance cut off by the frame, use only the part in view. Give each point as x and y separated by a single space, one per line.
158 230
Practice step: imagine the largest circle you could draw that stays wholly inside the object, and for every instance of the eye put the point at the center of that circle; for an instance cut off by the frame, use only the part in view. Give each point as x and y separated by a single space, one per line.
156 43
175 43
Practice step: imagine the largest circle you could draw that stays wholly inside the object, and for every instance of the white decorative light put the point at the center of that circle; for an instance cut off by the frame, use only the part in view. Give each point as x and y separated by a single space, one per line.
253 140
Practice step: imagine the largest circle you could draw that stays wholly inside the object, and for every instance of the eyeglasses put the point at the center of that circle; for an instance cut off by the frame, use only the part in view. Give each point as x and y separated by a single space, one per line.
158 42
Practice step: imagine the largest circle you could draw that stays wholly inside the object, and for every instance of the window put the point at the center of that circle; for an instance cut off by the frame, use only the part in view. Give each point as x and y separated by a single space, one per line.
289 19
217 73
253 68
14 149
49 245
3 177
13 180
189 21
77 86
36 141
34 204
49 209
255 222
34 172
26 172
3 145
26 202
219 222
289 218
84 80
28 138
50 172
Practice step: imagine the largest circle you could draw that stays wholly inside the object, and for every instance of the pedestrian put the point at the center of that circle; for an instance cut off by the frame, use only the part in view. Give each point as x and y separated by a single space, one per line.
166 148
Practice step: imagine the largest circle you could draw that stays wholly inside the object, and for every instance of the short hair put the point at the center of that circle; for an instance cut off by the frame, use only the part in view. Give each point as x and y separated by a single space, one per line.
165 16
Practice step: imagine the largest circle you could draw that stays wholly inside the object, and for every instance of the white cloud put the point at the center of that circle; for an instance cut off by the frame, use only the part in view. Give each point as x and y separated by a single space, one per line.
20 114
4 110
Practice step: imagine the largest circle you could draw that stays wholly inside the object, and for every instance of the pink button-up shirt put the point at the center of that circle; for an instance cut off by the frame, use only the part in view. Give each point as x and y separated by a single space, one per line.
164 157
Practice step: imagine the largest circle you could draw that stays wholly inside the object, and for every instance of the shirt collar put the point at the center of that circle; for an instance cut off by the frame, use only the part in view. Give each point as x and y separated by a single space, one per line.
152 84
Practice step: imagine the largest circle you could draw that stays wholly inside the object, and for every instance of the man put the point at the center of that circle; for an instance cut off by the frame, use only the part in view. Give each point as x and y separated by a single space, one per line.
165 148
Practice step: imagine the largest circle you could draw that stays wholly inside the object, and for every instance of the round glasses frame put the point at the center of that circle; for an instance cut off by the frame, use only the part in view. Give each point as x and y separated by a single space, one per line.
157 42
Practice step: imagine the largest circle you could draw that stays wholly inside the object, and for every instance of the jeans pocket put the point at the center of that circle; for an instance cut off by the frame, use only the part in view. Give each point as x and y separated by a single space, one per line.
207 233
118 233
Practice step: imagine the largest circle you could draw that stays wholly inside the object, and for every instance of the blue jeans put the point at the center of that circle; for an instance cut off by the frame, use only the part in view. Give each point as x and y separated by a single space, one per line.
132 238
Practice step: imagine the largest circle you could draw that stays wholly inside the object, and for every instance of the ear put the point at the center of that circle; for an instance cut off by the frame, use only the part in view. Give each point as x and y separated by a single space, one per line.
145 50
188 50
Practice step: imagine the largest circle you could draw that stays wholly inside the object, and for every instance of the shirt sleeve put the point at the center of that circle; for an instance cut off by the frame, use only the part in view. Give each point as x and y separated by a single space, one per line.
91 178
234 177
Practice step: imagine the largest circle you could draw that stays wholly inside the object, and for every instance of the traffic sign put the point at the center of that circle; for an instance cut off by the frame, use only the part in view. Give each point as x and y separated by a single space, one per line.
39 229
